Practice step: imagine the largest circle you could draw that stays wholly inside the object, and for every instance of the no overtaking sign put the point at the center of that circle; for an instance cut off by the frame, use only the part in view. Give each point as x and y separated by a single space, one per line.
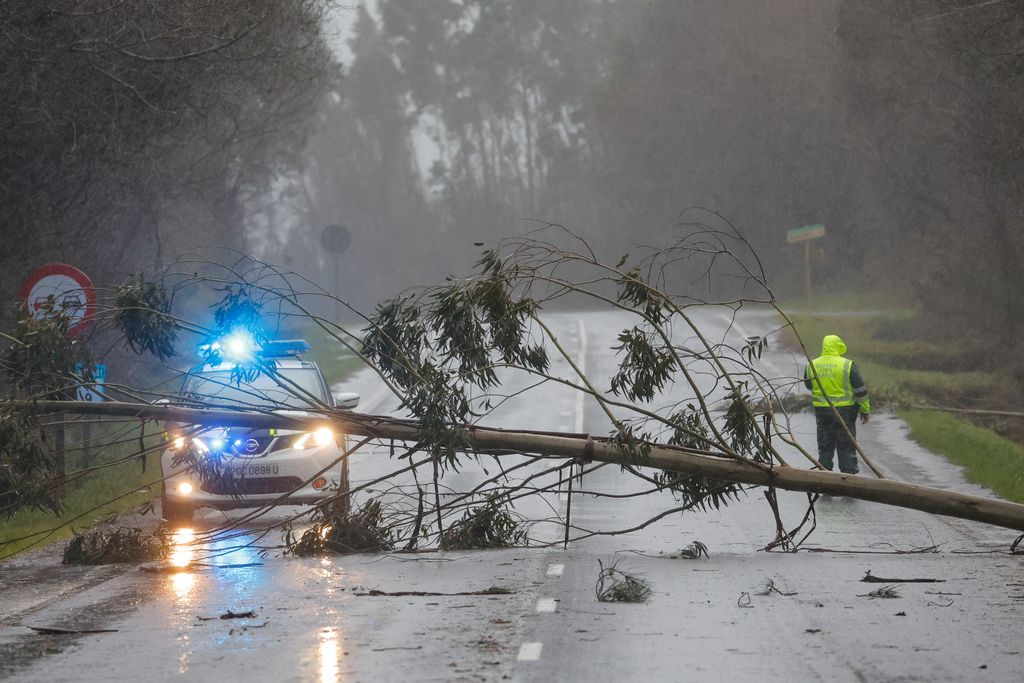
71 291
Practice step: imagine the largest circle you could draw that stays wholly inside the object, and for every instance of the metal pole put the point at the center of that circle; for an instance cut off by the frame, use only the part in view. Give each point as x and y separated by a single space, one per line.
337 288
807 273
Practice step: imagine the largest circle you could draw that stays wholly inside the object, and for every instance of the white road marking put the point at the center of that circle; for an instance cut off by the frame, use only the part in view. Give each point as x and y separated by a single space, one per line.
742 331
546 605
555 569
530 652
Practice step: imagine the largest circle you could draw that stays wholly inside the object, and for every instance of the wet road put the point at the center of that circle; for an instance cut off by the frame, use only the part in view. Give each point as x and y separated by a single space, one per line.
314 621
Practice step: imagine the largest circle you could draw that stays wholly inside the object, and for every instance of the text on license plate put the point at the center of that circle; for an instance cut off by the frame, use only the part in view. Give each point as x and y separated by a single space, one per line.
252 471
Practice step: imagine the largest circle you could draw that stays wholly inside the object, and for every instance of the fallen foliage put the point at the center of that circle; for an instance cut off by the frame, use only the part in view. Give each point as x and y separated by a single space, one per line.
615 585
363 531
694 551
113 546
486 527
883 592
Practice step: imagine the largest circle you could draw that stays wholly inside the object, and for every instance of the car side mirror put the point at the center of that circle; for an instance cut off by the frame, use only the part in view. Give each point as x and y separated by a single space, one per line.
348 399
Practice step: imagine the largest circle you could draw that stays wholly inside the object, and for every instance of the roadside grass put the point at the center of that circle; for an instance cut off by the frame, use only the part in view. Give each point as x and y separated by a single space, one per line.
839 302
987 458
908 370
903 372
90 497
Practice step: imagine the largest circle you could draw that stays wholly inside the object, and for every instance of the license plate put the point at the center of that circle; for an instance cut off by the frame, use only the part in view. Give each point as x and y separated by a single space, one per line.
252 471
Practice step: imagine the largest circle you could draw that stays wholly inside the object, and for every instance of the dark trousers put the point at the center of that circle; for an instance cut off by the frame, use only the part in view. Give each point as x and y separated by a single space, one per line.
832 438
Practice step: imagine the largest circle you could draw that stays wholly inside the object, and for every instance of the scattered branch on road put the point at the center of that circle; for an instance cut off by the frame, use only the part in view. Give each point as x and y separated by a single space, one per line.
868 578
121 545
883 592
770 588
615 585
54 630
485 527
694 551
493 590
364 531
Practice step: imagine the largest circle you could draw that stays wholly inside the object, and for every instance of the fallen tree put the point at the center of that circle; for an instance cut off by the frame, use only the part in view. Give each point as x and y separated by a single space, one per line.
584 447
683 412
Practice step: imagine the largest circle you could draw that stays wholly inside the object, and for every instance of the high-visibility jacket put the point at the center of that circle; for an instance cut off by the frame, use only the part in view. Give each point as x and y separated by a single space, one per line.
839 382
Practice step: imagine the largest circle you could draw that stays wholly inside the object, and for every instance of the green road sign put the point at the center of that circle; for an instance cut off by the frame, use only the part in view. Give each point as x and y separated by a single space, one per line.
808 232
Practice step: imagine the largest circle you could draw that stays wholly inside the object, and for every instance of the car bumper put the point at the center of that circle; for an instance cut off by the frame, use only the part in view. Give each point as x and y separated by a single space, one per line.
285 478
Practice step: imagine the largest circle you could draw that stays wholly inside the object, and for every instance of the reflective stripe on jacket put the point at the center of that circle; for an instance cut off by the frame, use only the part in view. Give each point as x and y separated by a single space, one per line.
838 383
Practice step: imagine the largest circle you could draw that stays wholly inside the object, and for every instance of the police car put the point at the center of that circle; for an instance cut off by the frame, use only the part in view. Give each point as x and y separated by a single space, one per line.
231 467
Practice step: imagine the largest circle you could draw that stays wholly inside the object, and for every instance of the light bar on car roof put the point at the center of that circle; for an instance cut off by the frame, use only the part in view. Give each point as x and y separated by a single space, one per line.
284 348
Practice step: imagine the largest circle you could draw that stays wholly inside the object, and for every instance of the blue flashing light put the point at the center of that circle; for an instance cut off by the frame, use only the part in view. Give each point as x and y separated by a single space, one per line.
217 444
238 347
285 348
238 442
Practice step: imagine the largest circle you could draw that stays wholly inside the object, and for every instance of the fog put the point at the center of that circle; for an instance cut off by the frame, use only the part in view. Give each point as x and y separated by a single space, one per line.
426 128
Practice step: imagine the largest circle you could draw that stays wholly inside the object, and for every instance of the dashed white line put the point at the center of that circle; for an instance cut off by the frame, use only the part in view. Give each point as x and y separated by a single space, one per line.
555 569
547 605
530 652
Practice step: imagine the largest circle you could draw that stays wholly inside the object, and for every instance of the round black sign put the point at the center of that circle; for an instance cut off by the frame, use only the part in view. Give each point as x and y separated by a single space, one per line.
335 238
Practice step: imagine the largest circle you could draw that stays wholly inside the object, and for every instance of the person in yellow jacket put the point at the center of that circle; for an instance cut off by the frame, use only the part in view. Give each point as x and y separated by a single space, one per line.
838 383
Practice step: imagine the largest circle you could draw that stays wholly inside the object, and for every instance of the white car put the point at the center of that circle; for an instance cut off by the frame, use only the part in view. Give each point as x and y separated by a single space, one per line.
236 467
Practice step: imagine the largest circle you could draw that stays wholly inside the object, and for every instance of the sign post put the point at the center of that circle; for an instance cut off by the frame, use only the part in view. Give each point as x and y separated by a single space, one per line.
90 392
58 288
335 239
805 235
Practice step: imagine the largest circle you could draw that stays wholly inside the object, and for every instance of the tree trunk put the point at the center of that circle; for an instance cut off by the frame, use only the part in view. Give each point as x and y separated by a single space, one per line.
584 447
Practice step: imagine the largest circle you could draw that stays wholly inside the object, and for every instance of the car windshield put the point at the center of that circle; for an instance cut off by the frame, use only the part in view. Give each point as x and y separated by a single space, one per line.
217 386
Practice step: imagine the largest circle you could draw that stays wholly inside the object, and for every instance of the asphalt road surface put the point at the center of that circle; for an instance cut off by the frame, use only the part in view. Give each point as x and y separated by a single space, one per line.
741 614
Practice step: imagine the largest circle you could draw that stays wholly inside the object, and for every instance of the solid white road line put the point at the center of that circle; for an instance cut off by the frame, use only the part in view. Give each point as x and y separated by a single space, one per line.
530 652
731 321
581 363
555 569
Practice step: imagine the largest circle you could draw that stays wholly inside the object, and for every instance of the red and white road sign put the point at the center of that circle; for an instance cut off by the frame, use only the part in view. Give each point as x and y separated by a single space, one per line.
70 288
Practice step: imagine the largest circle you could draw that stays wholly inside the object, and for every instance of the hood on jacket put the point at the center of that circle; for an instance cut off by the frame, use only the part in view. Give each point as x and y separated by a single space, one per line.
832 345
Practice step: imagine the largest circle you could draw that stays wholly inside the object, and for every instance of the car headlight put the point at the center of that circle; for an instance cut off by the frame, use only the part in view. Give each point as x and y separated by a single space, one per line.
321 437
178 444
